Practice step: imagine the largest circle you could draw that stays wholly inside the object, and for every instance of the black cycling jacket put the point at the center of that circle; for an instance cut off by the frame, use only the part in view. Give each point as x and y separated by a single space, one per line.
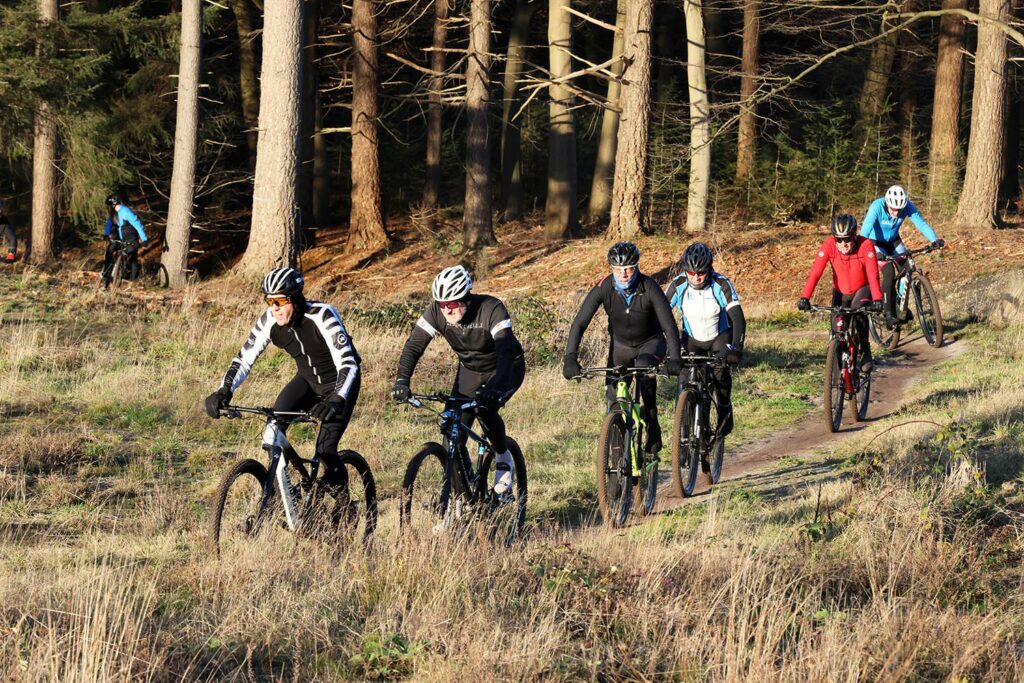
483 339
646 317
316 338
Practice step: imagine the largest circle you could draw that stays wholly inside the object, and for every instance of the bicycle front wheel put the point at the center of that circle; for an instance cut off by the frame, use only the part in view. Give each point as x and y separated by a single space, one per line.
883 336
117 271
507 512
685 448
160 278
715 443
834 389
238 511
426 491
614 470
928 314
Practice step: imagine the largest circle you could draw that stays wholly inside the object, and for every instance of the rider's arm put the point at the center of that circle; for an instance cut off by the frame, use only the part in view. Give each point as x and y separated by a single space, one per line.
733 309
868 228
665 319
127 214
425 330
583 318
505 345
109 227
866 252
816 271
257 342
920 223
346 361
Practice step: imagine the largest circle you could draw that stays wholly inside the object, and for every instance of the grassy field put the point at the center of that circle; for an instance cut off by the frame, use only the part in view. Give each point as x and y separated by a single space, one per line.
893 557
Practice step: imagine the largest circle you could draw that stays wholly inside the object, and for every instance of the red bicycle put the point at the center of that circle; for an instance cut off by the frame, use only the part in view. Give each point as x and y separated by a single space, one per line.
844 381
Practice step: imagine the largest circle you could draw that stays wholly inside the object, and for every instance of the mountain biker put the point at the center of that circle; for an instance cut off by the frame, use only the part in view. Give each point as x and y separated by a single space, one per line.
712 320
641 328
882 226
129 229
8 231
854 277
491 366
327 366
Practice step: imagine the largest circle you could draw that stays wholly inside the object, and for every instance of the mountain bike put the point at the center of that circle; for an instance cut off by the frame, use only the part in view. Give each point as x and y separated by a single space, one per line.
621 460
152 273
911 284
443 488
843 378
291 493
696 441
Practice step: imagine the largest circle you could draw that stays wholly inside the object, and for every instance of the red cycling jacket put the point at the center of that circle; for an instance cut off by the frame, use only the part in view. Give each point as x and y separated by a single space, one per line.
849 272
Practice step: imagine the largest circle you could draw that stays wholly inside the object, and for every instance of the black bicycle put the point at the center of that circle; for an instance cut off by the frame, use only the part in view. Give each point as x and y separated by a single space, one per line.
844 380
443 488
621 461
912 284
696 439
291 493
151 272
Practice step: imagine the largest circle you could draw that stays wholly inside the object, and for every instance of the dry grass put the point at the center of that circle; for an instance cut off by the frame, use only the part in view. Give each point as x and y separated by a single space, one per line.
905 566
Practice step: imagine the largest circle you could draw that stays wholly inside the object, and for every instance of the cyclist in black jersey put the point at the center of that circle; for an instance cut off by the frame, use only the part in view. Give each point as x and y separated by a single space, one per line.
491 363
640 325
327 376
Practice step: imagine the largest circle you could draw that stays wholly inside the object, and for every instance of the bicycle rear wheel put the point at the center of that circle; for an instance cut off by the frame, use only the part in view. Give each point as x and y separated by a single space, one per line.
834 389
614 471
507 512
117 271
883 336
426 491
160 277
928 314
238 512
685 448
647 484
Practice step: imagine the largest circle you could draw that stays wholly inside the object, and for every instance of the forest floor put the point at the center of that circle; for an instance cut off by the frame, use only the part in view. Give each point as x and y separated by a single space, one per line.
889 552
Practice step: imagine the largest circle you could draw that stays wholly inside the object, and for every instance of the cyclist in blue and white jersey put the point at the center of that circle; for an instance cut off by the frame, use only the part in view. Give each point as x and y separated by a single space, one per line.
713 320
882 226
128 229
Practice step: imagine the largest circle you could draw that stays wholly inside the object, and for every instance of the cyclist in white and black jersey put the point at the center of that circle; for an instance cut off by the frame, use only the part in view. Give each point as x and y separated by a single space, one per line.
491 363
712 320
327 376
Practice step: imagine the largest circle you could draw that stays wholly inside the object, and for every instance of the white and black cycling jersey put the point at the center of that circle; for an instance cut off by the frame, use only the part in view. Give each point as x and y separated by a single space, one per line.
316 338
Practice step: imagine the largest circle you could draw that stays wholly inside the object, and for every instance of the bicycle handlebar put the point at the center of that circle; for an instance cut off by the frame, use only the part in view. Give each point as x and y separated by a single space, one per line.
838 309
620 371
235 412
417 400
910 252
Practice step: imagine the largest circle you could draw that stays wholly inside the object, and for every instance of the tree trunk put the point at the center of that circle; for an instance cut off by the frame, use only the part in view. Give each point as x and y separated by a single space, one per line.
876 82
186 130
907 77
366 226
477 230
746 145
435 108
604 168
44 162
248 66
321 170
943 150
272 239
561 199
629 192
310 102
511 147
700 120
978 200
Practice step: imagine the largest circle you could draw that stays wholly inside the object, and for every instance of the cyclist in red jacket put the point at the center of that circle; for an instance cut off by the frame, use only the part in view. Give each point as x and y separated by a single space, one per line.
854 277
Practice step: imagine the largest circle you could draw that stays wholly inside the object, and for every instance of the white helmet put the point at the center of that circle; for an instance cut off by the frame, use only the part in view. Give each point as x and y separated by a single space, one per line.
285 281
451 284
896 197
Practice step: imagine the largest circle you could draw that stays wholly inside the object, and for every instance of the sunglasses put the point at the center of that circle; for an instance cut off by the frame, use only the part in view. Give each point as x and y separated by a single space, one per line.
449 305
843 240
277 301
695 273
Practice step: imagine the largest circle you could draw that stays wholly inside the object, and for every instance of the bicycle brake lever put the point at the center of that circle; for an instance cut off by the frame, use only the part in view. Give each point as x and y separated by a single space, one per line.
414 402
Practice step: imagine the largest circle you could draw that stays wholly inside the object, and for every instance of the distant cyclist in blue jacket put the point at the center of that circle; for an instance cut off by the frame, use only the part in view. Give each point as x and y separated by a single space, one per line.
124 225
882 226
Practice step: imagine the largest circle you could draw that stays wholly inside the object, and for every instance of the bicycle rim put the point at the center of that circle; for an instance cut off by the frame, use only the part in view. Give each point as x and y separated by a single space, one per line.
685 451
834 390
426 492
859 401
716 444
117 273
928 314
884 337
506 514
614 480
161 278
236 518
647 484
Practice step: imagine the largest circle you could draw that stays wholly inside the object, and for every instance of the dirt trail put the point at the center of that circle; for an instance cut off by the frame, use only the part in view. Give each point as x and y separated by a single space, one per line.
892 378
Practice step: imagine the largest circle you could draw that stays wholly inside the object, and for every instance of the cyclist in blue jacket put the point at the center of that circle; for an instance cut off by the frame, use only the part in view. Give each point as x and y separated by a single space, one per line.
713 320
128 229
882 226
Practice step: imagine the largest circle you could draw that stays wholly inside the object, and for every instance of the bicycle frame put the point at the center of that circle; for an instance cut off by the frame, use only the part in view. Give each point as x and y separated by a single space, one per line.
905 267
629 405
842 328
458 468
699 381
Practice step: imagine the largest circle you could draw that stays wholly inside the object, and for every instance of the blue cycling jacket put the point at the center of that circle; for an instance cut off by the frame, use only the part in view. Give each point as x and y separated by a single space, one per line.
879 226
125 214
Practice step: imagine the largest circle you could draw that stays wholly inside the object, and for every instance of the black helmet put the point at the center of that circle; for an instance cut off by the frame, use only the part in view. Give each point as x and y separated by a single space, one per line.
698 258
282 281
623 254
844 225
113 200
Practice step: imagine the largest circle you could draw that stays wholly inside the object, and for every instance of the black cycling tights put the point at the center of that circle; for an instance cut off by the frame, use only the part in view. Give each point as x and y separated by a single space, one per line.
299 395
467 382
